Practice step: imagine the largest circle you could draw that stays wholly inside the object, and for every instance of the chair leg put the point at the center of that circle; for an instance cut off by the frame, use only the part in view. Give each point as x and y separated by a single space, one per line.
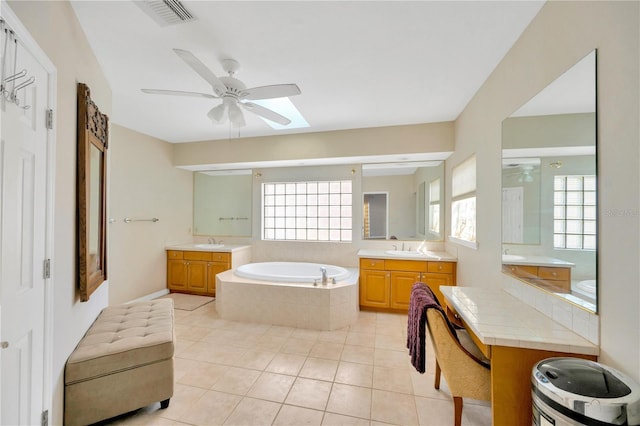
457 413
436 384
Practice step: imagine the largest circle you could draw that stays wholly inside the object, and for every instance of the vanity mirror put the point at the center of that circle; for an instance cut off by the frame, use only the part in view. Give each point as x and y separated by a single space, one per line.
222 203
414 206
549 203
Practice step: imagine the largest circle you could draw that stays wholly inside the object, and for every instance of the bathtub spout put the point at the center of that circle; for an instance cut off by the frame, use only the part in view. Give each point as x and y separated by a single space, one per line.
325 279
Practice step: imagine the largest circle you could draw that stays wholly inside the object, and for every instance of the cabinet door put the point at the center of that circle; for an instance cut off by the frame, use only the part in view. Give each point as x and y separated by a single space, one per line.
197 276
214 268
434 281
374 288
176 274
401 284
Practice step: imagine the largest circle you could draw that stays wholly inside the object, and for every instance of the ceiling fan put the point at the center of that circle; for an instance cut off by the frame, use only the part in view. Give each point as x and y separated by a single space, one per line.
233 92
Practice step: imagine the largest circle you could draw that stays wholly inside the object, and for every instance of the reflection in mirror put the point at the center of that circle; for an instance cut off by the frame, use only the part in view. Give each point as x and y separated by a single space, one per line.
413 189
222 203
375 211
94 228
549 188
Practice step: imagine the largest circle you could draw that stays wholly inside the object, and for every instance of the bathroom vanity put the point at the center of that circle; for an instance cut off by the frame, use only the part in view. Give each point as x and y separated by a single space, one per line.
546 272
386 278
514 336
192 268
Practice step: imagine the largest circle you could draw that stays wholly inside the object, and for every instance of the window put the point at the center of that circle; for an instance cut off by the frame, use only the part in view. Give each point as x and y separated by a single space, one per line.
463 206
307 211
574 212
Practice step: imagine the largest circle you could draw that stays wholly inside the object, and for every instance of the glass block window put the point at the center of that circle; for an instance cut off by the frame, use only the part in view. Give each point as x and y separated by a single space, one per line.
307 211
574 212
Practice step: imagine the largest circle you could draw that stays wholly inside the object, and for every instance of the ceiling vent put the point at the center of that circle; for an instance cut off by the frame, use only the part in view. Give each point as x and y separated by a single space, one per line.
166 12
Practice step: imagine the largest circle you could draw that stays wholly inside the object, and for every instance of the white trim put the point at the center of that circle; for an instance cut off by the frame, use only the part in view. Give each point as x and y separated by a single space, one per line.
470 244
29 42
149 296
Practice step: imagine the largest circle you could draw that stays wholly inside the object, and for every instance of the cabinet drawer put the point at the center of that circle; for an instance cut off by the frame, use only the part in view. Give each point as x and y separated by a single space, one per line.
442 267
554 273
197 255
406 265
372 264
220 257
174 254
523 271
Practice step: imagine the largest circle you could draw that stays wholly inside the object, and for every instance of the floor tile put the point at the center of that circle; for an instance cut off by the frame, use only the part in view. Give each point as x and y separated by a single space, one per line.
320 369
351 373
393 407
203 374
237 381
392 379
212 408
252 411
332 419
359 354
350 400
297 416
327 350
272 387
309 393
286 364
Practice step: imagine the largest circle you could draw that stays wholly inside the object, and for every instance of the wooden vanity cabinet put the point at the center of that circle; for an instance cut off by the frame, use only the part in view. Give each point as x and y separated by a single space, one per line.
552 278
195 271
385 284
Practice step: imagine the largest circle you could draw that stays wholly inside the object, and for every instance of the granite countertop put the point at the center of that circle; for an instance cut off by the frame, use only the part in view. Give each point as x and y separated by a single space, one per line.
514 259
438 256
498 318
228 248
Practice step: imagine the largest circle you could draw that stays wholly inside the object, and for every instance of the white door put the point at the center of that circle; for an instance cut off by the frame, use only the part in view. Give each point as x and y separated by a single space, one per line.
23 216
512 215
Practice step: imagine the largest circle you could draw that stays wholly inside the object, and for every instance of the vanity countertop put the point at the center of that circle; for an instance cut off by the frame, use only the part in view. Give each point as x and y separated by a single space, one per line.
498 318
228 248
437 256
515 259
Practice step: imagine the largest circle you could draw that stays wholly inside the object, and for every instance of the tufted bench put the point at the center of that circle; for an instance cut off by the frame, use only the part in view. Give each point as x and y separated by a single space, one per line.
123 362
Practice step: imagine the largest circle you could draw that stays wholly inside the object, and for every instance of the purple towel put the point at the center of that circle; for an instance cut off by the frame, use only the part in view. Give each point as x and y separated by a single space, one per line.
422 298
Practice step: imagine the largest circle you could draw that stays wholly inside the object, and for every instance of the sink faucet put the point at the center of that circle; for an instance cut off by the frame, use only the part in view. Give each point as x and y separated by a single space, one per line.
212 240
506 251
325 279
403 246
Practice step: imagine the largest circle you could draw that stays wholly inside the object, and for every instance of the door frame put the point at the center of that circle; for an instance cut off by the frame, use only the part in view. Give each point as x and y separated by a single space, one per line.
34 49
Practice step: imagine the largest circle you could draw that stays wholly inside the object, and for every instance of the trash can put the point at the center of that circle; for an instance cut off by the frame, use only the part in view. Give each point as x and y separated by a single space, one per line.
573 391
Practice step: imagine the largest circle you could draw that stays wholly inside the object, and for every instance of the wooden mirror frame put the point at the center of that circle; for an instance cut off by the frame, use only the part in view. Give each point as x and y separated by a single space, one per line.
93 136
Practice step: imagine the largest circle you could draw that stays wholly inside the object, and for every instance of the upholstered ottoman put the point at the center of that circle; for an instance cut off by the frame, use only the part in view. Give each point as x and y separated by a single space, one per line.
123 362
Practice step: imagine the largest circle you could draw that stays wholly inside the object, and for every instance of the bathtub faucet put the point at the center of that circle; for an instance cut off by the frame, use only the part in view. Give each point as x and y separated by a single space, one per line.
325 279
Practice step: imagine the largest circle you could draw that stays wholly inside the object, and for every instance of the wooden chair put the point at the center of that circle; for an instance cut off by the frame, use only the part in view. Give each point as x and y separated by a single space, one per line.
466 373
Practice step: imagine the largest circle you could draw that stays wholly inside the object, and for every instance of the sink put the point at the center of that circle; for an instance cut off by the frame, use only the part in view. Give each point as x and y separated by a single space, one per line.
410 253
511 257
209 246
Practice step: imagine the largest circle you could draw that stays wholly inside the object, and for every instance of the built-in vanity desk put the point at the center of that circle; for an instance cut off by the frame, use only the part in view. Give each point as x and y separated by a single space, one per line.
514 336
546 272
386 278
192 268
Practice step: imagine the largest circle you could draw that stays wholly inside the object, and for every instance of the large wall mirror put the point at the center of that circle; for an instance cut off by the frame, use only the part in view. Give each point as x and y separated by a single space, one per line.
222 203
549 199
413 199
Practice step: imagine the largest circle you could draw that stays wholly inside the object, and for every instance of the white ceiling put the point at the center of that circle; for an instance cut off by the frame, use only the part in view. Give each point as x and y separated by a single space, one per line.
359 64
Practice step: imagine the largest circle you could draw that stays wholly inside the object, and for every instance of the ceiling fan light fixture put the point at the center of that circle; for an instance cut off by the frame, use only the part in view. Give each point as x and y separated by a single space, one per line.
235 115
217 114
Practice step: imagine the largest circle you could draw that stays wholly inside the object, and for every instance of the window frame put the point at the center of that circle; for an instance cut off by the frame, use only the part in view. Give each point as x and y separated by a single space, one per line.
463 190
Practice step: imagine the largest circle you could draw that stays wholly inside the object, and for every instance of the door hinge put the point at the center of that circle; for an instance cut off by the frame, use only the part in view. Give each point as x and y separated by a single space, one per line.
49 119
47 268
45 418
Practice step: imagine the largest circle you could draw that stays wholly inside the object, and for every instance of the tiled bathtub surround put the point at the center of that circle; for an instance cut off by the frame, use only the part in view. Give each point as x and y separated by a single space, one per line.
573 317
236 373
329 307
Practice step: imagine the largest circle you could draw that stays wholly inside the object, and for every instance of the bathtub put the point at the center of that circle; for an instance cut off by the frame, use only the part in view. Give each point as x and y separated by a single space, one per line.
284 294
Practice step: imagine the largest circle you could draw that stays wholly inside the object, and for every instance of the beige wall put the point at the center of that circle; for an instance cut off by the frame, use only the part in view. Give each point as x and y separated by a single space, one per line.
55 28
419 138
143 185
561 34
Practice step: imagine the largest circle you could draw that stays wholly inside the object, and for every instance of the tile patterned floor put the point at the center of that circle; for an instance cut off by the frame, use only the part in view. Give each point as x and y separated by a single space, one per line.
233 373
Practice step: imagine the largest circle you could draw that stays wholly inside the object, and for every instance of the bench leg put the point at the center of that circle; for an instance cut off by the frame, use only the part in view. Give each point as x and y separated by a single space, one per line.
164 404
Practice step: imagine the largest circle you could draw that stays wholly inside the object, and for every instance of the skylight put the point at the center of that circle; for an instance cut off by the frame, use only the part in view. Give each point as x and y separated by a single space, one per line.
285 107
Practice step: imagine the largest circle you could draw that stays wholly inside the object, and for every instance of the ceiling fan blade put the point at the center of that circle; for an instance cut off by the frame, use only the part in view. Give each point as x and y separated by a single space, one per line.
218 87
235 115
270 92
266 113
178 93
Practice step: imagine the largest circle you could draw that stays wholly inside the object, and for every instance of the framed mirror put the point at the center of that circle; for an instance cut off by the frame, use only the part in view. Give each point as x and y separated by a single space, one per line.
93 141
222 203
549 198
414 204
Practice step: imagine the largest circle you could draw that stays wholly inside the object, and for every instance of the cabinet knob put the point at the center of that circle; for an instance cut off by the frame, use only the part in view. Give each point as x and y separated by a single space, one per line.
554 274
